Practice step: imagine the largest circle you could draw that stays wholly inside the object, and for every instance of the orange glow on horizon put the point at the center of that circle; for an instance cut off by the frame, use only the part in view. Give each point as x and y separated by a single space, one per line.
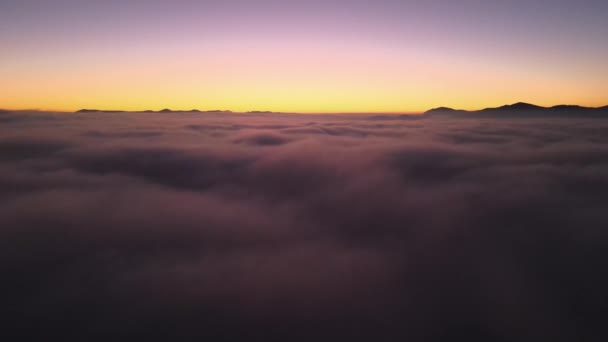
303 77
300 56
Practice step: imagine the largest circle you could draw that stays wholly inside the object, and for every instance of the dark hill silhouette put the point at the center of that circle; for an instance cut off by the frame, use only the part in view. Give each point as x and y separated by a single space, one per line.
100 111
89 111
445 111
522 109
569 107
520 106
164 111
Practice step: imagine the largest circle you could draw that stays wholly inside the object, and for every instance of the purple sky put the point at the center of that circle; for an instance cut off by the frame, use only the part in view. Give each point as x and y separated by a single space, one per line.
459 53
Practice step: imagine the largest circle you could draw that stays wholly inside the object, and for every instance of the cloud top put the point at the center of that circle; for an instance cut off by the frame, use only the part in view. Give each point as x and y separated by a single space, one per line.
292 227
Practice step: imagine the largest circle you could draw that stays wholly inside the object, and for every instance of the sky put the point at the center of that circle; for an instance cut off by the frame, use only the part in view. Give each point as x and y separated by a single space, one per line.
301 56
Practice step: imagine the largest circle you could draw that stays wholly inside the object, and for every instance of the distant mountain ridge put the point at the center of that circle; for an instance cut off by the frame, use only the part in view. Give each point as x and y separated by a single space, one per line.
519 109
522 109
163 111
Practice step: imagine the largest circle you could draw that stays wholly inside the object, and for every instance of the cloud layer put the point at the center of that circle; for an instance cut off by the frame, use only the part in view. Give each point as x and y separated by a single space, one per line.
229 227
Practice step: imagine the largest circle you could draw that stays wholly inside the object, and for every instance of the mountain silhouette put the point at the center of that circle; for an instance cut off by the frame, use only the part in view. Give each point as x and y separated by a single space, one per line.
89 111
445 111
569 107
522 109
520 106
163 111
99 111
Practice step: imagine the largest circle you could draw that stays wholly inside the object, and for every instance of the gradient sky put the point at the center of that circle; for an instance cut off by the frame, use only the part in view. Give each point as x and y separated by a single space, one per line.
301 56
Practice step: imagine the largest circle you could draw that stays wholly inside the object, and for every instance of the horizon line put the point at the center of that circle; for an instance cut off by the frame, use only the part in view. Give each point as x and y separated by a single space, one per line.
374 112
212 111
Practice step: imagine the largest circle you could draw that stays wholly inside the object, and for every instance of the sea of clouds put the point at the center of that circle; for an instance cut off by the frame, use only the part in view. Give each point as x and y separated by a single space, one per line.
232 227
